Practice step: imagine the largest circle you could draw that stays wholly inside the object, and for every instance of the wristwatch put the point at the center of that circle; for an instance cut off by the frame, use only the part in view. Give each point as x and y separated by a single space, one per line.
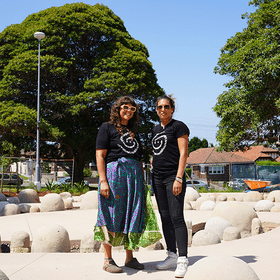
180 180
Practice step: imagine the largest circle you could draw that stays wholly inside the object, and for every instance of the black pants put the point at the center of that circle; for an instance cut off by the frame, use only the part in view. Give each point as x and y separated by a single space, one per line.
171 212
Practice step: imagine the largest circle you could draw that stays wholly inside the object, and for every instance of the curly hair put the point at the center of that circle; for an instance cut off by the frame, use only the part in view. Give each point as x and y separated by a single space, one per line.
115 117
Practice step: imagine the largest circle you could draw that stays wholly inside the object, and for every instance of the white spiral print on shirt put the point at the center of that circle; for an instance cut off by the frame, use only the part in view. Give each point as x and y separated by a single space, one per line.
129 146
159 143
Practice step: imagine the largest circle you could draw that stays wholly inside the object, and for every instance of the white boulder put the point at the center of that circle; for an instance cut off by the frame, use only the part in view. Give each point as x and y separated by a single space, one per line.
231 233
201 199
89 245
275 209
34 209
51 238
204 237
187 205
20 242
256 226
90 200
68 204
253 196
222 197
9 209
52 202
191 194
220 267
239 214
65 195
264 206
208 205
217 225
275 194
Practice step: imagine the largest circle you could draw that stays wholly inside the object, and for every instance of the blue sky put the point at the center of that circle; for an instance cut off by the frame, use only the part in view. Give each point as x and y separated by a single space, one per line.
183 38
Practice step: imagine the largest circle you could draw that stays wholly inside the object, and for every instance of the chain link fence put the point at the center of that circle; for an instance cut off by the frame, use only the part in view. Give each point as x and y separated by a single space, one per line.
256 172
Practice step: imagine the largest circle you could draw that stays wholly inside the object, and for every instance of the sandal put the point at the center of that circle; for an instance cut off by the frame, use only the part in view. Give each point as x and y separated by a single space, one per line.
134 264
112 267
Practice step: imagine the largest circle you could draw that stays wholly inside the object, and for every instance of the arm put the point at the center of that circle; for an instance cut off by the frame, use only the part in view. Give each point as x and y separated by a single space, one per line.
183 149
100 161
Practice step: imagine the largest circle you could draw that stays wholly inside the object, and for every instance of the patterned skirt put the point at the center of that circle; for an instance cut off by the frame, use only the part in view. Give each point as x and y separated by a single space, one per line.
127 217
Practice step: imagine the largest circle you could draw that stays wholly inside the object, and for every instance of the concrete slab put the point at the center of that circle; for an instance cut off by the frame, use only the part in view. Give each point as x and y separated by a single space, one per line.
260 252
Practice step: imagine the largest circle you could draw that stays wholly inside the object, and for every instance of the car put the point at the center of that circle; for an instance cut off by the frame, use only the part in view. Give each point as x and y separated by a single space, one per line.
238 184
64 180
196 183
11 179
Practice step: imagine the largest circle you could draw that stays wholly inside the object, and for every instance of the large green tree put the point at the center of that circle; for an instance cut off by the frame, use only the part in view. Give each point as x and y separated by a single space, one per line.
250 108
88 59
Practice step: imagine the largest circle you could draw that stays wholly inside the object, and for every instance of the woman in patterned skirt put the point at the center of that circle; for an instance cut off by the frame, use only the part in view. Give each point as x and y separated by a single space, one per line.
125 213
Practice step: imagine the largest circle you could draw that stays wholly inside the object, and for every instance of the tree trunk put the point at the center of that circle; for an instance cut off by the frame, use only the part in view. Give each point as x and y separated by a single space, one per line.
79 163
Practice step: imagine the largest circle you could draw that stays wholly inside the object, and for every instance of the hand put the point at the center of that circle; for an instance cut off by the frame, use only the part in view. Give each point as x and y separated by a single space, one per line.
104 189
177 187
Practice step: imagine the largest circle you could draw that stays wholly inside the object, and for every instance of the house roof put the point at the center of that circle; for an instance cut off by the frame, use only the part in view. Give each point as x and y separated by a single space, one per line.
255 152
211 156
278 159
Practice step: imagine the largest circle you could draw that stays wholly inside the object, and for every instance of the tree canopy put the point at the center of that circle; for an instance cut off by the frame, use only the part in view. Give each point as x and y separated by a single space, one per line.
249 109
195 143
88 59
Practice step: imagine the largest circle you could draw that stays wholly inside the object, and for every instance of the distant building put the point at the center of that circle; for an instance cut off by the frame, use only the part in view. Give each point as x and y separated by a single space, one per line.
256 153
207 163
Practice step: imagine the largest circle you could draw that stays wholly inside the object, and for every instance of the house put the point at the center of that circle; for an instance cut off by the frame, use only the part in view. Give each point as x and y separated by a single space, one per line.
207 163
261 152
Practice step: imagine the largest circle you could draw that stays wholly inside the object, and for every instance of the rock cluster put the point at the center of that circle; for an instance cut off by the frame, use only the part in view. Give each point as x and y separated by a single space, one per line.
230 219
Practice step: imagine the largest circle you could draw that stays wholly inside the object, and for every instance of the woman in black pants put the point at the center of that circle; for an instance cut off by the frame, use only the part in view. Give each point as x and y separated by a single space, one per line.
170 152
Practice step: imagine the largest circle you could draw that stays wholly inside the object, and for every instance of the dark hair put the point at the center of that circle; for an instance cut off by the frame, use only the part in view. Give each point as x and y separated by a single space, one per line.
169 98
115 117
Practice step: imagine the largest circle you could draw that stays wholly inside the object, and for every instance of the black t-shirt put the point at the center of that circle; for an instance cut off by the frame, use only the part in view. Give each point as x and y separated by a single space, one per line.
165 147
118 145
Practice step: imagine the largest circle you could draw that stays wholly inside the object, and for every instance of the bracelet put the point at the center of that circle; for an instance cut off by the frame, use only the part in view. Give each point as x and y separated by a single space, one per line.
180 180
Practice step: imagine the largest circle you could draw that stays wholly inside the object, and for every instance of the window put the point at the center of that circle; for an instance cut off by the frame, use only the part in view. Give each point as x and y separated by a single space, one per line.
202 169
217 169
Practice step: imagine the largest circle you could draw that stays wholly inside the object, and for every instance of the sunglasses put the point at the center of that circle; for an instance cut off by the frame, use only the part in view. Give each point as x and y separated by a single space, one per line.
125 107
165 107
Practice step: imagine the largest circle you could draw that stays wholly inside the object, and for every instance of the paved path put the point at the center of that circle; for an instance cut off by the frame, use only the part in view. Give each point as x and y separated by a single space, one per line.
261 252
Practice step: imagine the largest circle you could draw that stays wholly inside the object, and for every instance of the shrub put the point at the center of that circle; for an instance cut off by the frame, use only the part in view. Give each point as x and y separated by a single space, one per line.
81 187
87 172
51 185
189 172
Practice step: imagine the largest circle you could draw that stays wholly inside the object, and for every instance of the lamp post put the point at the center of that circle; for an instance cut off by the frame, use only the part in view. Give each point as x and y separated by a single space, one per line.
39 36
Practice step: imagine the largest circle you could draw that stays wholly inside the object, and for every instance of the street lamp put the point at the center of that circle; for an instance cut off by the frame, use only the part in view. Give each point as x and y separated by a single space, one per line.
39 36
